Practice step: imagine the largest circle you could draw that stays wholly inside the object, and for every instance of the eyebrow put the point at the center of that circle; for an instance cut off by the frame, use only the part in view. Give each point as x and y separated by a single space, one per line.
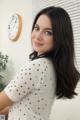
44 28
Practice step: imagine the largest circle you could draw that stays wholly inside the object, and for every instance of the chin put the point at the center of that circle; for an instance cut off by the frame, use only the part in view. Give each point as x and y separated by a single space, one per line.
37 50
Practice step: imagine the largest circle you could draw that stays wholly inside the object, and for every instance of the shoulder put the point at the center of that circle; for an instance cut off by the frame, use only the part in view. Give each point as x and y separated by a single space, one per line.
37 66
42 63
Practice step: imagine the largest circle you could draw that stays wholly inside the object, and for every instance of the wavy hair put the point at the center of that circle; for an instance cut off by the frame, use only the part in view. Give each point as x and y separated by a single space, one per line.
62 54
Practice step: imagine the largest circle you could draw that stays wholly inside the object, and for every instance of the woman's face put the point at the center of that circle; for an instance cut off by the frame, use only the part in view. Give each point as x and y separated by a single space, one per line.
42 35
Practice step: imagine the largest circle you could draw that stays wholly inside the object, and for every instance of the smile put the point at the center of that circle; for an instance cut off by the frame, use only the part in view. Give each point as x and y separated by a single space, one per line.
38 44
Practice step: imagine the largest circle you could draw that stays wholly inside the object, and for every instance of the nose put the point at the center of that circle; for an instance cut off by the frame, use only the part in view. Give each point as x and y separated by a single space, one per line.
39 35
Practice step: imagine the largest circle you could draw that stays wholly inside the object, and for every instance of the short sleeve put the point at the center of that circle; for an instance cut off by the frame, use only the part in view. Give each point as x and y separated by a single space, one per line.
25 81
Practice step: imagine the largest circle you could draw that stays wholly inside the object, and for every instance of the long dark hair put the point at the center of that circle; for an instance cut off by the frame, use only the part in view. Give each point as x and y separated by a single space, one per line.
62 54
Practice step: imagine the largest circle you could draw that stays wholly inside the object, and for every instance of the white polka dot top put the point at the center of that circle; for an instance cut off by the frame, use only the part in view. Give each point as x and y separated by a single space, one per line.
32 91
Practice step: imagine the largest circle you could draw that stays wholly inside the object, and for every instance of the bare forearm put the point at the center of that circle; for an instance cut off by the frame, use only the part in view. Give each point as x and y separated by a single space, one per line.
5 111
4 101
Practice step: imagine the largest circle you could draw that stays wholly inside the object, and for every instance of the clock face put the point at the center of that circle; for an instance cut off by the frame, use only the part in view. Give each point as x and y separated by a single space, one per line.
14 27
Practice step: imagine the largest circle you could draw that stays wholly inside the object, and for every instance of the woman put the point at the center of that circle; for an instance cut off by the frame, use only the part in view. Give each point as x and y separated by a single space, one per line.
51 71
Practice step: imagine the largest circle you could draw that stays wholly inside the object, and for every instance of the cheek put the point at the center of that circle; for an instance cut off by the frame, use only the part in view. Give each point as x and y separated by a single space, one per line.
32 36
49 44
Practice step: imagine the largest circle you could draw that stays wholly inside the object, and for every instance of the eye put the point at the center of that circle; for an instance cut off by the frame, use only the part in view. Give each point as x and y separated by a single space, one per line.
49 33
36 28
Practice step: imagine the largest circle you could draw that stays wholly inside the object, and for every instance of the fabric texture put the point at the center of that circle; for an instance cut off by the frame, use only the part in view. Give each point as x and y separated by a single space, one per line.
32 90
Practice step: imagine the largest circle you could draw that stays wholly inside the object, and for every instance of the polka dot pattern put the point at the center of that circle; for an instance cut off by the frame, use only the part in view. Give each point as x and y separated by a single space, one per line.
32 91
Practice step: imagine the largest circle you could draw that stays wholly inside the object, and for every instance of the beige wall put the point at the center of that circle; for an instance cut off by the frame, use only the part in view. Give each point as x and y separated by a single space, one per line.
18 51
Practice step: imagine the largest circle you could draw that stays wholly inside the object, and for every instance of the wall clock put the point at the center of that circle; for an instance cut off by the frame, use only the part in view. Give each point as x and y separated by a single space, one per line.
14 27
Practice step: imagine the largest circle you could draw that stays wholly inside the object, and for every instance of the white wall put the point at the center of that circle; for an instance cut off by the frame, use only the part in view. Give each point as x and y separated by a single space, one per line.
66 109
17 51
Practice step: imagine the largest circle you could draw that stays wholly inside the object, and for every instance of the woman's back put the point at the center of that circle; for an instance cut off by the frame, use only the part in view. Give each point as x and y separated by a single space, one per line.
36 97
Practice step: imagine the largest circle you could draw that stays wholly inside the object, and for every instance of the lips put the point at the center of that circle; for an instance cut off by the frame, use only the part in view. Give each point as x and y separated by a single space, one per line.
38 44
